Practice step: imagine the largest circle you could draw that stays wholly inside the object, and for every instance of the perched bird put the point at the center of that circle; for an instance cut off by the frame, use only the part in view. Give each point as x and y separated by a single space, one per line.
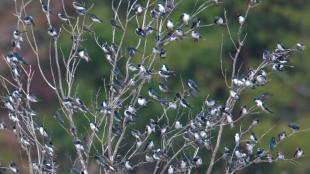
266 55
132 51
149 158
81 12
260 152
138 9
298 153
78 144
32 98
237 138
169 25
218 20
255 122
14 57
184 103
140 32
83 54
2 126
234 94
170 169
280 47
63 17
45 8
196 24
230 120
94 127
16 44
165 72
78 6
52 31
260 102
209 103
28 20
160 8
163 87
300 46
153 94
95 18
185 18
196 161
249 147
42 131
150 145
239 154
294 126
183 165
17 35
243 110
241 19
280 156
192 85
282 135
179 33
253 137
195 35
128 166
114 23
178 125
272 143
13 167
142 101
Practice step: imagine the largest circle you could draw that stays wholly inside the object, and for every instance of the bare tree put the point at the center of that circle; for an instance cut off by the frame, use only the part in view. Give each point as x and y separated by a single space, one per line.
180 142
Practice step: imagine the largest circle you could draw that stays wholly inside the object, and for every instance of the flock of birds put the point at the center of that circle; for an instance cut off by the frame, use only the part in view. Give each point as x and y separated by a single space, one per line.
198 130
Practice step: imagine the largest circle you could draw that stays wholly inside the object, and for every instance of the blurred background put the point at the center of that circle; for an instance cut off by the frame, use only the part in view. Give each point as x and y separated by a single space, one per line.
271 22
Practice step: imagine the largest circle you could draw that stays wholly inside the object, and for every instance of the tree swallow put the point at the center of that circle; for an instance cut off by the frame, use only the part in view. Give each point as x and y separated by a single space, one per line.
93 127
260 102
45 8
178 125
170 169
195 24
195 35
249 147
237 139
241 19
185 18
300 46
78 144
138 9
142 101
298 153
128 166
182 100
78 6
253 137
273 143
63 17
280 156
153 94
83 54
28 20
17 35
294 126
52 31
218 20
95 18
163 87
169 25
13 167
282 135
